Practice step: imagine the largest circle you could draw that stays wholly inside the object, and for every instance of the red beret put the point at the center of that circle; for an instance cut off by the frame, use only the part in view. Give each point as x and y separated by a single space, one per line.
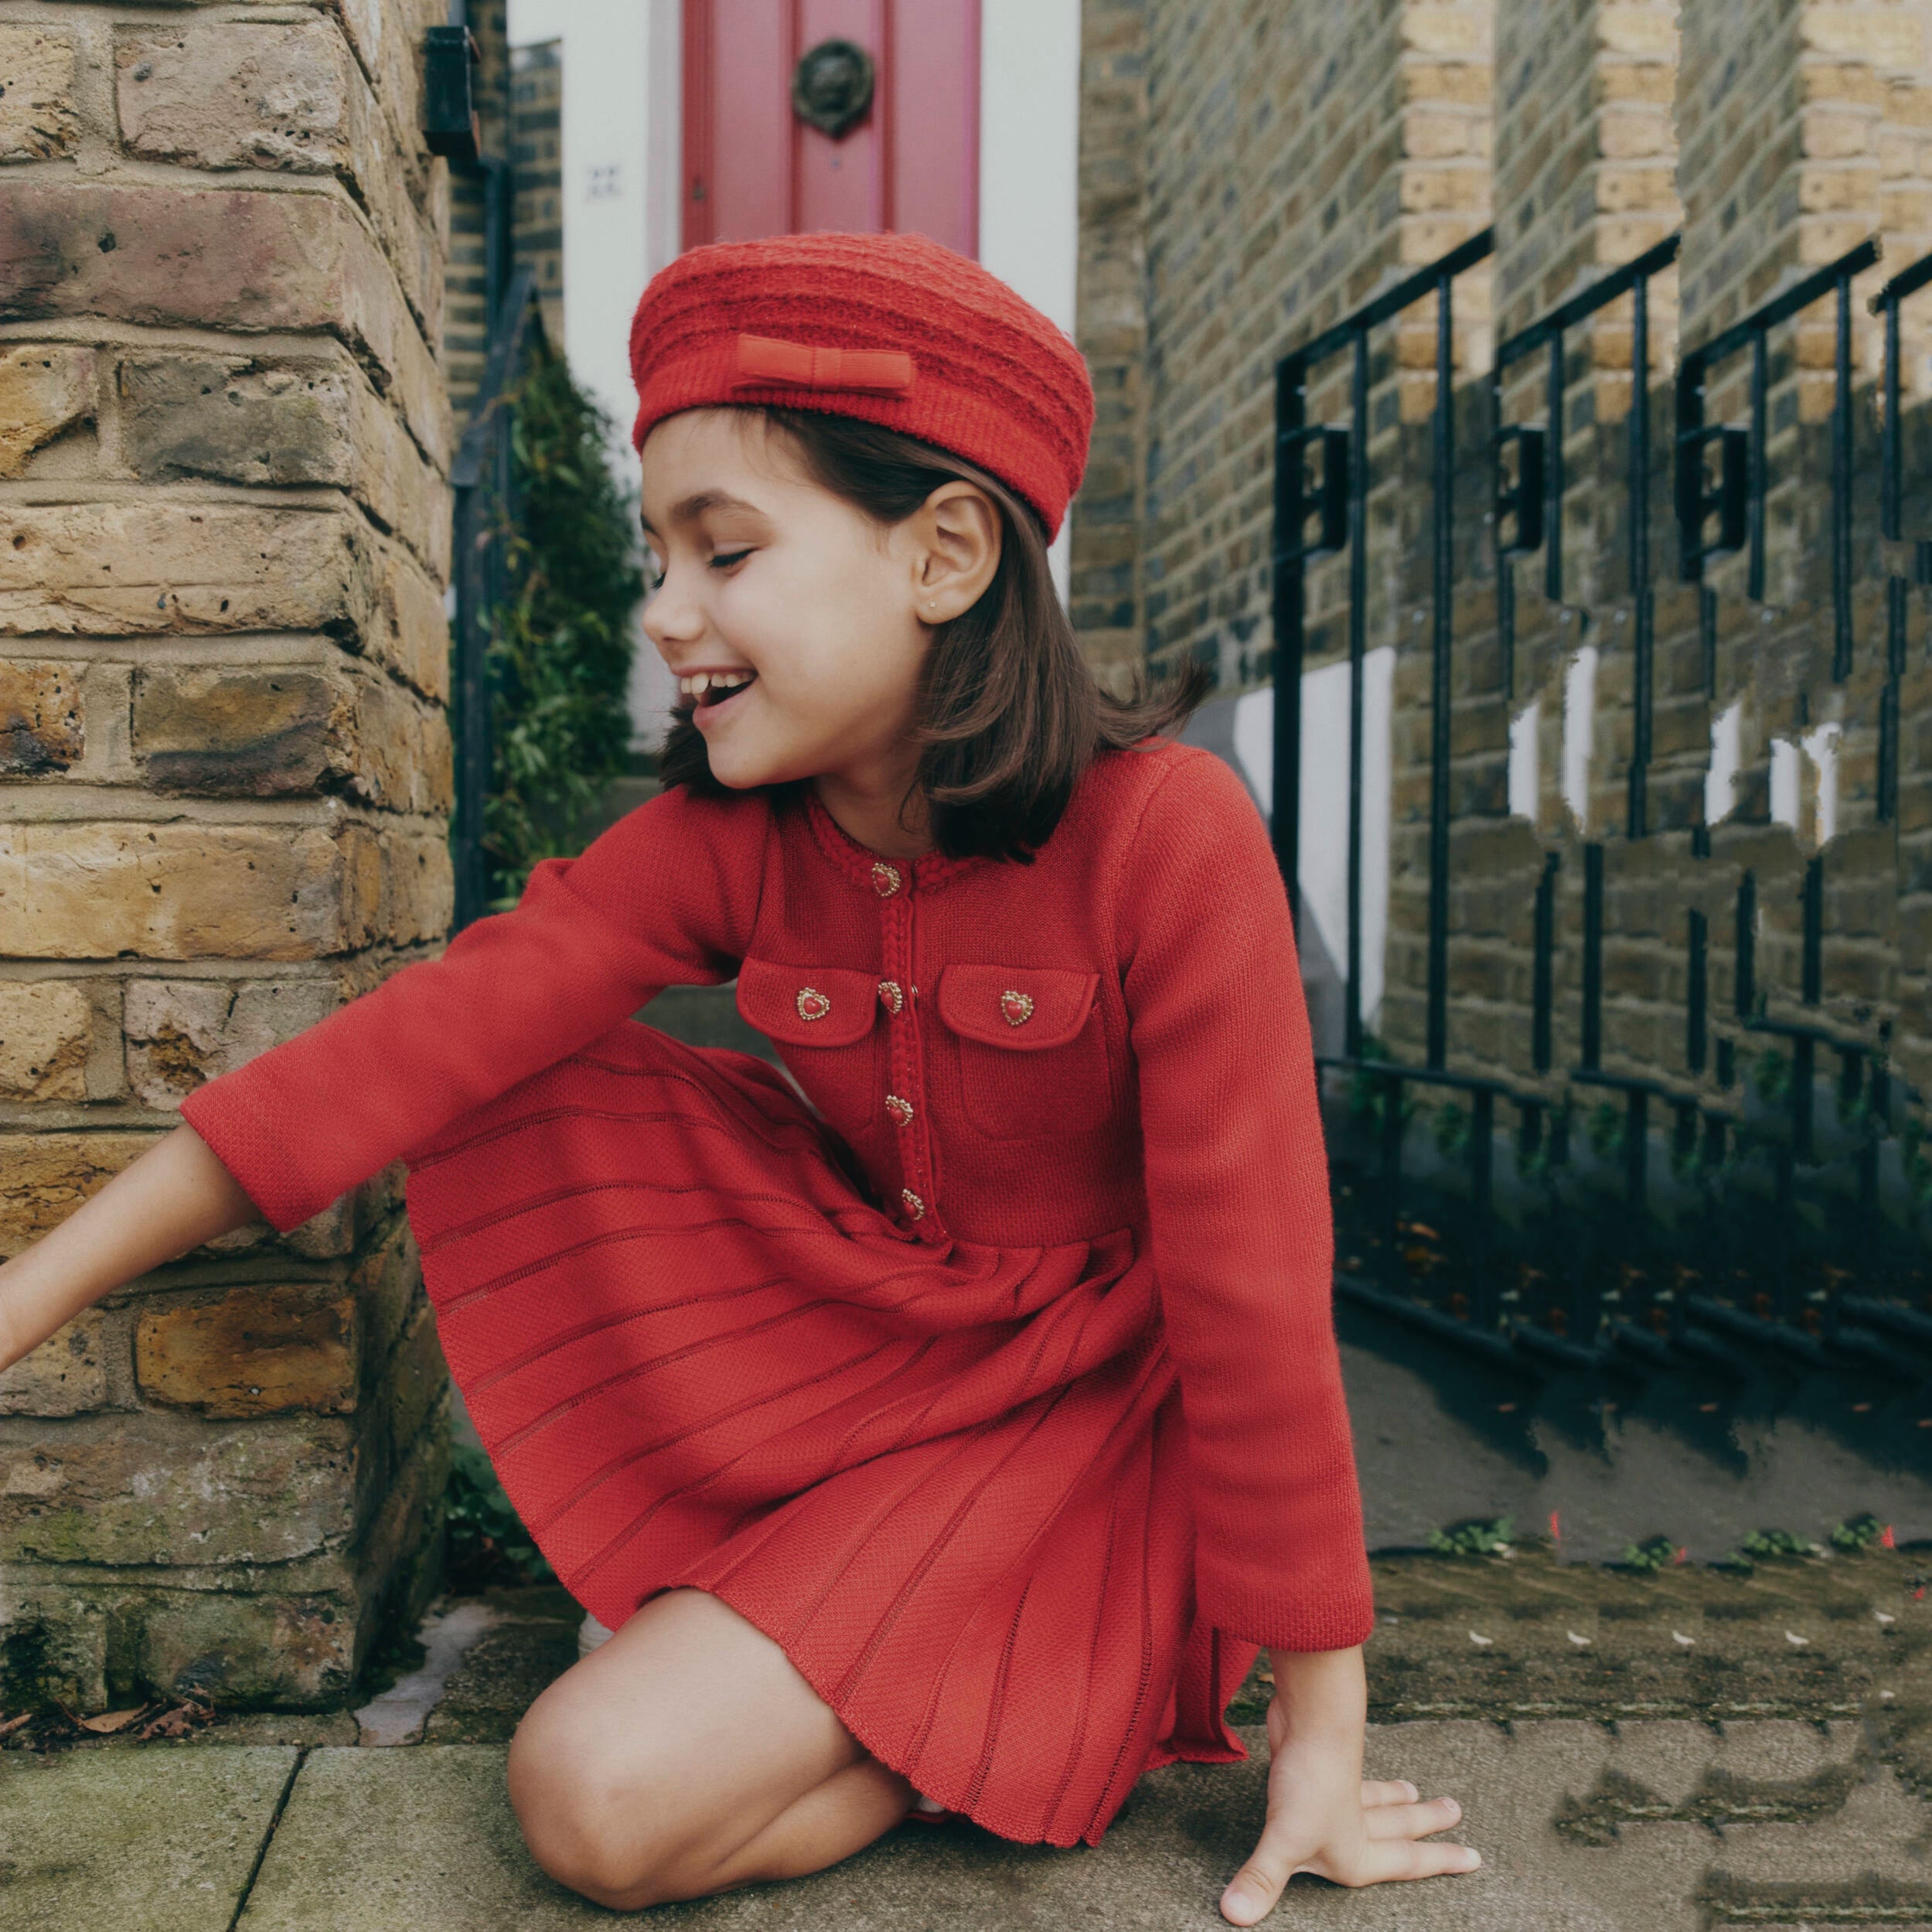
895 329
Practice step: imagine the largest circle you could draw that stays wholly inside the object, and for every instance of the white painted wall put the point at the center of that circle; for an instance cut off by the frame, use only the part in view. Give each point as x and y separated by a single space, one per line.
1242 730
1727 760
1579 724
1029 162
1525 775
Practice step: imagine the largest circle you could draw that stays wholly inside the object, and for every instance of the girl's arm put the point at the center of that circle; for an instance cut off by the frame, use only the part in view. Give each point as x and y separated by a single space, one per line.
174 1198
1240 1226
1323 1817
1243 1246
666 897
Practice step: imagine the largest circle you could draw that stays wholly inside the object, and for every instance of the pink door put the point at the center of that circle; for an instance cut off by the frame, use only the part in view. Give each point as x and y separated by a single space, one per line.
885 137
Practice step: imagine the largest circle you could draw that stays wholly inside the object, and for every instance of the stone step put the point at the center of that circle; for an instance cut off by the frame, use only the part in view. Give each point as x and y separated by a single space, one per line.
1653 1822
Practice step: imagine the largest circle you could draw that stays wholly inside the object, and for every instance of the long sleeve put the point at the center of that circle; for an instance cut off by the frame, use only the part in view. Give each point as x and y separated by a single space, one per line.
666 897
1241 1231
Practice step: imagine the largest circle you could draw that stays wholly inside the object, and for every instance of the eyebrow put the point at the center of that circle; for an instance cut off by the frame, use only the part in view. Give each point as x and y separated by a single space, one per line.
697 504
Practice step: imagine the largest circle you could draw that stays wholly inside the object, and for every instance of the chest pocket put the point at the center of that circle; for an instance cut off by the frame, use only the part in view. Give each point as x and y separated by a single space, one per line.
821 1019
1033 1057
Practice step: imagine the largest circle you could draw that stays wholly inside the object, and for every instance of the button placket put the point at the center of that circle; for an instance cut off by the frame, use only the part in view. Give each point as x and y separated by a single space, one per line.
904 1105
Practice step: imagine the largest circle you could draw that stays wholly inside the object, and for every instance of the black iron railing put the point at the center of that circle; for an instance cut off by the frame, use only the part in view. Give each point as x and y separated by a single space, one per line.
1898 587
1742 485
1339 502
485 481
1529 503
1656 1298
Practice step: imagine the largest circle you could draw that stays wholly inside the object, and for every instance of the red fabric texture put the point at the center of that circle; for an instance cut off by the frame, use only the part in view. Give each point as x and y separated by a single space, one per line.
1012 1412
990 378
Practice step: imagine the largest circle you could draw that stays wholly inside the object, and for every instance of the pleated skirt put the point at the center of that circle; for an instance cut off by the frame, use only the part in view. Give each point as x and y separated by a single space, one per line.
948 1479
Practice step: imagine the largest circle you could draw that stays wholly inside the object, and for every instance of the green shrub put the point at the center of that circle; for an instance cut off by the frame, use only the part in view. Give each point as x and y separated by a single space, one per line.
488 1543
561 648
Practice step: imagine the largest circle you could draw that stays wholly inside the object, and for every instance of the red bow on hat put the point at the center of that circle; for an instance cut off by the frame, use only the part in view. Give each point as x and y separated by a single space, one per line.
763 358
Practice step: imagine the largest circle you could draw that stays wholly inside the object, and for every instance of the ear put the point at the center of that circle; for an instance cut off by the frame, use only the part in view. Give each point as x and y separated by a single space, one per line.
956 536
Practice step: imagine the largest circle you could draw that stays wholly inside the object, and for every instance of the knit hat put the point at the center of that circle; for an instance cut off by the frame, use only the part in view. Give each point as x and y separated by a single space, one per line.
894 329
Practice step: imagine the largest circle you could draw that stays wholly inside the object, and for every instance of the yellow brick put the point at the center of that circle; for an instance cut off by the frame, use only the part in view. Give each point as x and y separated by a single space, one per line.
253 1352
1640 29
38 117
1877 36
115 568
41 725
65 1376
1824 189
1625 133
43 389
1430 133
45 1029
96 891
1448 32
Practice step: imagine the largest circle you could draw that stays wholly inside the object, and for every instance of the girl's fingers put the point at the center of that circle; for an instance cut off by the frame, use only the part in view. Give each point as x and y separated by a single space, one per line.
1396 1791
1253 1891
1388 1822
1396 1858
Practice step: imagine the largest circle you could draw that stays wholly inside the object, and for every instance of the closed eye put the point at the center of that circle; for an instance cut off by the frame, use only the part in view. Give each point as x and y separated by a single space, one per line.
725 557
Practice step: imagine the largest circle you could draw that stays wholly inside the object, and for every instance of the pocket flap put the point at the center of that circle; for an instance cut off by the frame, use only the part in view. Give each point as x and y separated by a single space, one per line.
807 1006
1024 1008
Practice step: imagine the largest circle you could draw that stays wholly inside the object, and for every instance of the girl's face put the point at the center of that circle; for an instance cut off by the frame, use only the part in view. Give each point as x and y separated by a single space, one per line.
806 622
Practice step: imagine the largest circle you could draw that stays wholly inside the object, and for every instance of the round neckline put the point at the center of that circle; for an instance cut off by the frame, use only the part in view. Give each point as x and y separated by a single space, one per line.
856 861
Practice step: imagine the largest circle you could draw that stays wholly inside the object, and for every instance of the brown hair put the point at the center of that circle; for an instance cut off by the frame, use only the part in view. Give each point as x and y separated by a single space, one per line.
1009 713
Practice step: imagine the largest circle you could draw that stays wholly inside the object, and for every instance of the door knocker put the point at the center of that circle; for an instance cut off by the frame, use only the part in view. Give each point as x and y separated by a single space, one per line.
832 87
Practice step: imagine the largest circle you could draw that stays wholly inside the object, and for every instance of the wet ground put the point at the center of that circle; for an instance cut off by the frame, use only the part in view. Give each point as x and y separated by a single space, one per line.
1706 1460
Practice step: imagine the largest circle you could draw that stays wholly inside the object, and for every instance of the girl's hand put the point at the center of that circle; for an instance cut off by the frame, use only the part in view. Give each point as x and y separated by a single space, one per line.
1322 1816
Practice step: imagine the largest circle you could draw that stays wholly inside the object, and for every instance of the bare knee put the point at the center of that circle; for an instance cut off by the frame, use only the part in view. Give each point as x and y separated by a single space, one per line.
593 1824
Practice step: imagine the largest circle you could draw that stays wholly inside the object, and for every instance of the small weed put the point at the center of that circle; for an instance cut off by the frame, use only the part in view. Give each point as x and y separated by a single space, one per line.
1480 1536
1652 1554
1771 1075
1763 1543
1603 1128
1858 1532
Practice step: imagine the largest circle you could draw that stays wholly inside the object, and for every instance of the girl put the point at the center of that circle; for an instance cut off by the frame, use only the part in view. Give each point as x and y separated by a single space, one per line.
949 1443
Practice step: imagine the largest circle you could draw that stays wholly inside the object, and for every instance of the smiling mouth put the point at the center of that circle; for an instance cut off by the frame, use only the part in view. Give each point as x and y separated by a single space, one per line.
706 689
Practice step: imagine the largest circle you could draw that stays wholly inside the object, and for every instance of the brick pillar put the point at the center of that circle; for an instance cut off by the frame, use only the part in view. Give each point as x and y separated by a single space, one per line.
1104 576
466 342
223 548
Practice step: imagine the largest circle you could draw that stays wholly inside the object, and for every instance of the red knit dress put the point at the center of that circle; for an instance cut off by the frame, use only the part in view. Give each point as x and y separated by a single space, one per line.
1009 1406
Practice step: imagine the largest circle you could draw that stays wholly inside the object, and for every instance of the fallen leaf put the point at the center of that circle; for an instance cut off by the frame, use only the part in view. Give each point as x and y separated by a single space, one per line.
109 1721
13 1724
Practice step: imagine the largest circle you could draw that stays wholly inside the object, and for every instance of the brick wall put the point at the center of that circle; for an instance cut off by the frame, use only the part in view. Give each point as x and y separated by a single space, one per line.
223 534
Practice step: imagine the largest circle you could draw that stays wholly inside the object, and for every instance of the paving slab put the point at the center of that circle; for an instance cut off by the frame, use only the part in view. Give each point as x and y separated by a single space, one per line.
1576 1832
152 1841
